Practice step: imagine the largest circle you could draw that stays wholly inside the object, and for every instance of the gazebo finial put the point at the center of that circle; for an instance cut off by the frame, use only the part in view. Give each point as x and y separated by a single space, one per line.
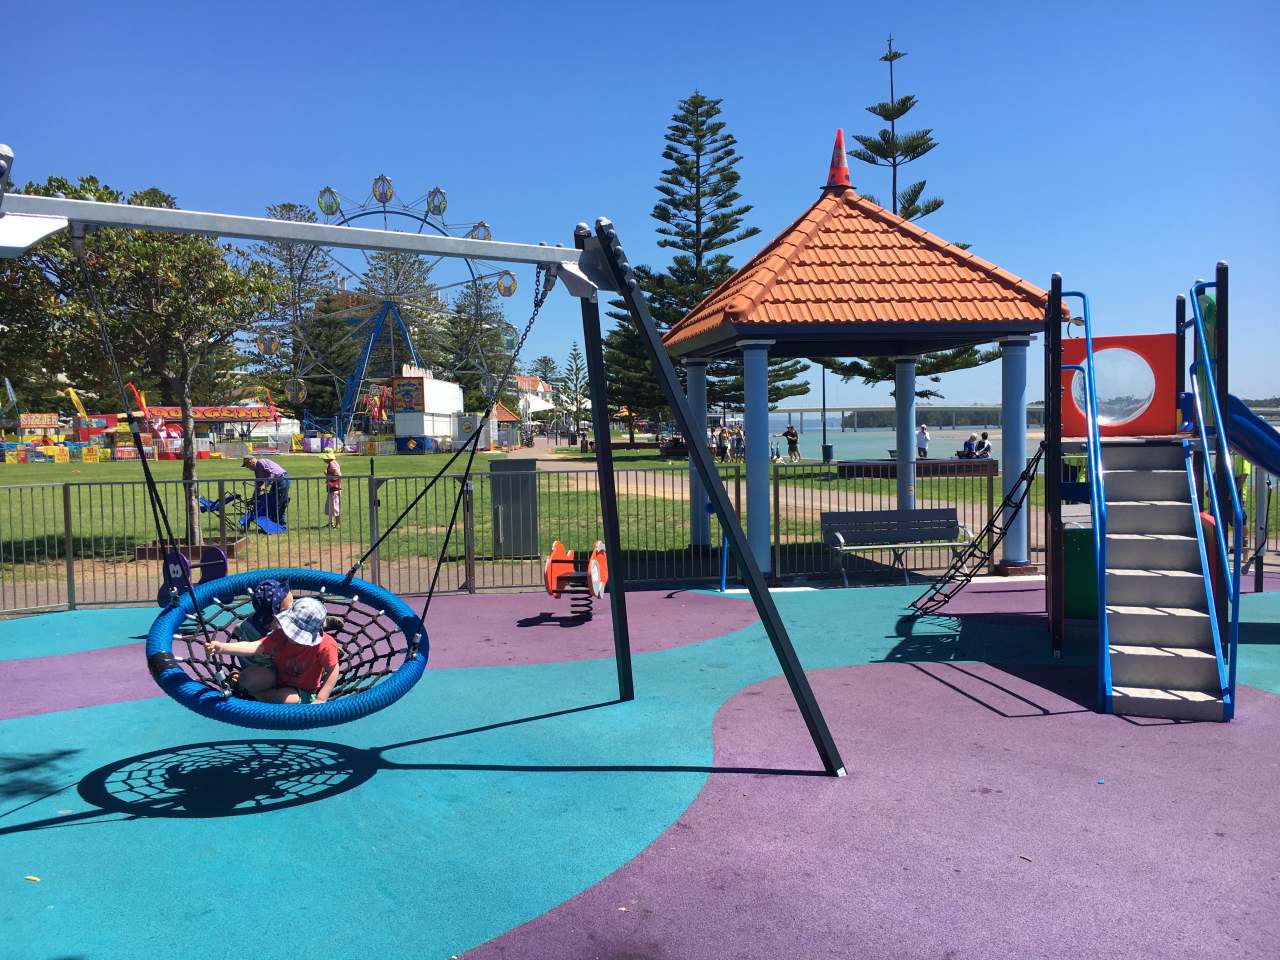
838 175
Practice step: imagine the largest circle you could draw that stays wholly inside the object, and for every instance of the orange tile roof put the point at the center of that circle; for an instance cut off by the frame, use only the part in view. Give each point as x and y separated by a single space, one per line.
849 261
503 415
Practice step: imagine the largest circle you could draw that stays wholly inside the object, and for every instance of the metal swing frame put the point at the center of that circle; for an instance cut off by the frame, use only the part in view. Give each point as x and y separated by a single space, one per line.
595 263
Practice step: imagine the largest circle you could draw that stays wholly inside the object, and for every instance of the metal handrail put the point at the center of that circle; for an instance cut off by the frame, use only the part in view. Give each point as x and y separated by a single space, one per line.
1211 488
1097 499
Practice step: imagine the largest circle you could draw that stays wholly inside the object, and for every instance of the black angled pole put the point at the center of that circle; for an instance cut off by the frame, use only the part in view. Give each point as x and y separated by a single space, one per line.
604 474
625 281
1055 584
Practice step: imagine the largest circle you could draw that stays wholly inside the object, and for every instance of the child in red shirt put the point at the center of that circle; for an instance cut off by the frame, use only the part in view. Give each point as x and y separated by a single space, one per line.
305 658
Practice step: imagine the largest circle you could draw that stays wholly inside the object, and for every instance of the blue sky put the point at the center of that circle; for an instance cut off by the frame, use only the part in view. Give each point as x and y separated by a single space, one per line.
1126 145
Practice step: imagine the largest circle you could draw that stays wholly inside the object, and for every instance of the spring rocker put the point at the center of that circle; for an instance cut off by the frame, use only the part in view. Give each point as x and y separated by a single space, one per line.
581 578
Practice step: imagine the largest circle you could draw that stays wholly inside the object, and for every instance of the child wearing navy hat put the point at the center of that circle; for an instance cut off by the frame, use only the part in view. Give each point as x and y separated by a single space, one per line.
304 658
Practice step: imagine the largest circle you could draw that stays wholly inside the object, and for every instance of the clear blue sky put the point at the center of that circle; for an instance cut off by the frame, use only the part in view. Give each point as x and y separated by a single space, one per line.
1127 145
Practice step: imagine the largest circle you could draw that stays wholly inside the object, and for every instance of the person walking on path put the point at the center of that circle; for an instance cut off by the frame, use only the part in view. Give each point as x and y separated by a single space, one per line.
333 484
922 442
272 484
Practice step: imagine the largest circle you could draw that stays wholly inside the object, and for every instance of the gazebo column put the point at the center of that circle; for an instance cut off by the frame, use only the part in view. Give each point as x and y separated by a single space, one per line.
699 520
755 381
905 407
1013 448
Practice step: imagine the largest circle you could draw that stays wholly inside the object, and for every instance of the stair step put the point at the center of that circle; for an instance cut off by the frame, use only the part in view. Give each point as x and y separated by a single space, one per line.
1164 702
1142 456
1169 668
1150 516
1156 588
1162 626
1172 551
1148 484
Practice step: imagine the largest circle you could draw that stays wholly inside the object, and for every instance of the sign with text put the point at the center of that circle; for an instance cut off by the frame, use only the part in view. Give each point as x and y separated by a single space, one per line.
229 413
38 421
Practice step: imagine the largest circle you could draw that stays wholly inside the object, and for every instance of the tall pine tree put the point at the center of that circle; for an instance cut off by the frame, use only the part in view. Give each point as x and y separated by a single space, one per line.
894 150
700 212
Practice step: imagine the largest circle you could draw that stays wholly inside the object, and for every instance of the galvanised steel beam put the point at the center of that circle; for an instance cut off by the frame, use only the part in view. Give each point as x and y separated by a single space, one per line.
92 213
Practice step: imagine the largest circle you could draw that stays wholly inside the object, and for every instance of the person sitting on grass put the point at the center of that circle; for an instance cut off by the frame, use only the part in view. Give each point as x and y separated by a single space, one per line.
304 658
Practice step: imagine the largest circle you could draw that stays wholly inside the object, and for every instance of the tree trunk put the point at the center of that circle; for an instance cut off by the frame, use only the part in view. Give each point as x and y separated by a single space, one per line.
194 533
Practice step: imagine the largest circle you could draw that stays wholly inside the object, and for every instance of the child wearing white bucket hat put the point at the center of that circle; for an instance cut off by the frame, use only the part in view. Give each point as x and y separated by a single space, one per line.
304 657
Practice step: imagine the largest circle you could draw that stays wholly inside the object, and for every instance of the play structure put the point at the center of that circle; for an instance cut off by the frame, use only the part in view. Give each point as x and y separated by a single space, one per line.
384 642
1159 554
581 578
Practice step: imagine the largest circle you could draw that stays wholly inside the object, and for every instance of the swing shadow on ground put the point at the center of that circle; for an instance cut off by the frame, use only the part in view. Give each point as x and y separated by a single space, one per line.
1001 662
234 778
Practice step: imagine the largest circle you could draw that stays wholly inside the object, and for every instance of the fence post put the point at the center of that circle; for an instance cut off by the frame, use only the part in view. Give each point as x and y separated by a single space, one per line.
374 485
67 546
991 510
737 489
777 525
222 514
469 535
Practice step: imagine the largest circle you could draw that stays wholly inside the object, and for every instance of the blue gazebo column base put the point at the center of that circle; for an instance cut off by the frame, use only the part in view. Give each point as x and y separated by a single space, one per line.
1014 560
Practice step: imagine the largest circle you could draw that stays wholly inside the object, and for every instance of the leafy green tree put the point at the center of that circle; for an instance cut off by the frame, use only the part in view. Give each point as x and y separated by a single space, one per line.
873 370
472 344
328 347
405 279
172 305
700 213
546 369
894 150
573 389
306 276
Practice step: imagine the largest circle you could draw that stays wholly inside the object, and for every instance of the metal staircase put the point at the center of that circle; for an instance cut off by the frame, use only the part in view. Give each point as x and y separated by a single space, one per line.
1162 644
974 558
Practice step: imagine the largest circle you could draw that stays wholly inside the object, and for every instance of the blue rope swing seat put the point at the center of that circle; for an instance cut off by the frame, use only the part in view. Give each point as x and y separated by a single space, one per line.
382 648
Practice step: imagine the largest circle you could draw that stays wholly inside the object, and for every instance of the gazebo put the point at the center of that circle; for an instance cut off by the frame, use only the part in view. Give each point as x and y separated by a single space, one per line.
851 279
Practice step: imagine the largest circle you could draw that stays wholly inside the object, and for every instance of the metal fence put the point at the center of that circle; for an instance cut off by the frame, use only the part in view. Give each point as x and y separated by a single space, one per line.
83 544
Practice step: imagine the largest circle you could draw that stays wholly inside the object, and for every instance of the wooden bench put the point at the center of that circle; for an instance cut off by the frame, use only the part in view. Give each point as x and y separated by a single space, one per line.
897 531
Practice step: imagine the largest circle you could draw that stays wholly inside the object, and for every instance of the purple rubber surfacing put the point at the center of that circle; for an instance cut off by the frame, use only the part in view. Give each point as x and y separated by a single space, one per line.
972 825
466 631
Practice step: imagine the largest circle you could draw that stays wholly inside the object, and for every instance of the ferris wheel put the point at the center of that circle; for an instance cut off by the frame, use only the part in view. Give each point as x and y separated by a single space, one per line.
376 293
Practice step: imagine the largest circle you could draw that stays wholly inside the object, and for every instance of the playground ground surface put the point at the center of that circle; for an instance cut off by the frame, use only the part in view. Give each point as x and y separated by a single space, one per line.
509 808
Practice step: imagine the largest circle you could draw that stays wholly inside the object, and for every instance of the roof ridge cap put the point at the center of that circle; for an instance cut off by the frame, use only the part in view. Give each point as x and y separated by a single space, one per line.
950 249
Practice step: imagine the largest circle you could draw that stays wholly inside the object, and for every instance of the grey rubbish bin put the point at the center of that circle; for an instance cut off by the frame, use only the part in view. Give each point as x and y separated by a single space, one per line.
513 487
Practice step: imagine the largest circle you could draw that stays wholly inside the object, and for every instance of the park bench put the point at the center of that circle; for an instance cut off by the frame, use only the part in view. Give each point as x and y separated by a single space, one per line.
897 531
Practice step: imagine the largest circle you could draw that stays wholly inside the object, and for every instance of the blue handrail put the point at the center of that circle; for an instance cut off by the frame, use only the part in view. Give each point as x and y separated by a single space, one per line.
1097 499
1223 453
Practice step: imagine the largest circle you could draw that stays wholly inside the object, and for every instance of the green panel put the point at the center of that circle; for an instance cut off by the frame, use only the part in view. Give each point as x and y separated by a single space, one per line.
1079 570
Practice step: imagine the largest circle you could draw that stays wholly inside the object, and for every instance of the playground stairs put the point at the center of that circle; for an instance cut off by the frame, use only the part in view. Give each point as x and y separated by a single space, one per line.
1161 646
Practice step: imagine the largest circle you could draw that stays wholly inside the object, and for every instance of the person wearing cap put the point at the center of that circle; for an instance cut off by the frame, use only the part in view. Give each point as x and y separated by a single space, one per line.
333 484
271 482
304 658
922 442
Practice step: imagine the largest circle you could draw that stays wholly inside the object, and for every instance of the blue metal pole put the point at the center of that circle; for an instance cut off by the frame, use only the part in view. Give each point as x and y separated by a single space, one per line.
905 406
699 519
755 376
1013 442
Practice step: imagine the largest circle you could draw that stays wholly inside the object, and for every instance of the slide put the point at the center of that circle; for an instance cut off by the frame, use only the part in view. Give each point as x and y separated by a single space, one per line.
1252 437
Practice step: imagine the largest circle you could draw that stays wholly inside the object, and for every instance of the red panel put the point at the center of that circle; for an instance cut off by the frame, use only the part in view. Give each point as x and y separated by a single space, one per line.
1160 418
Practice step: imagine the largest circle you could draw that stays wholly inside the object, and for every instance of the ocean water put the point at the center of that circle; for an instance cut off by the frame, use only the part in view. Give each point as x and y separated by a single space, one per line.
875 444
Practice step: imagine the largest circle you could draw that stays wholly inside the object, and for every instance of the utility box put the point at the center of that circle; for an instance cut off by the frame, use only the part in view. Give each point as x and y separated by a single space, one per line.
1079 573
513 490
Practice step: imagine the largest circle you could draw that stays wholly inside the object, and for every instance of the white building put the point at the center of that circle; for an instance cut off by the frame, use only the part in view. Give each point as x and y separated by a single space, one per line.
536 395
